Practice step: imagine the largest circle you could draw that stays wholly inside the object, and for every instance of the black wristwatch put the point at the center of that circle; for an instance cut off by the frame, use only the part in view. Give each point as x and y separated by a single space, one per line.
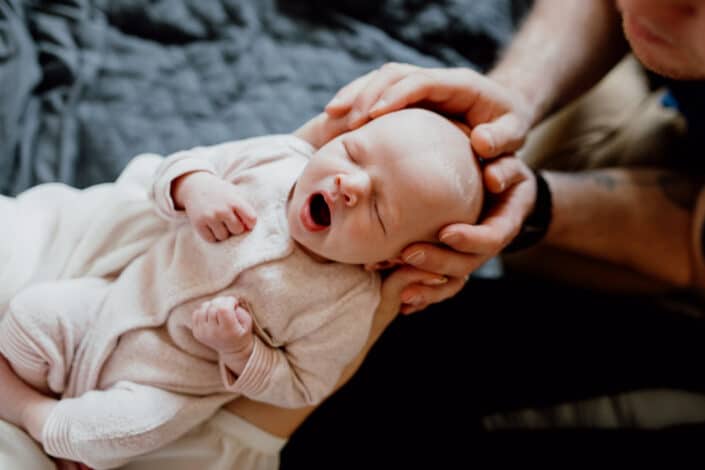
536 224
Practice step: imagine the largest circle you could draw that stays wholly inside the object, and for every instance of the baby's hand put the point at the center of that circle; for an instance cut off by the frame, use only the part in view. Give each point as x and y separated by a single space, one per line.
215 207
222 324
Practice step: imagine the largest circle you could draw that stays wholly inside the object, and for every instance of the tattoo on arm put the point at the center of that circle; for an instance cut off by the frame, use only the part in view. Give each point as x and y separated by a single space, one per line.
680 189
600 178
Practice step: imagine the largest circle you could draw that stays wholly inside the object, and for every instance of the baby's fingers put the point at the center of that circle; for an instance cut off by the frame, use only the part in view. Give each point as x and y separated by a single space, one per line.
205 232
243 318
199 315
229 321
235 227
219 230
246 214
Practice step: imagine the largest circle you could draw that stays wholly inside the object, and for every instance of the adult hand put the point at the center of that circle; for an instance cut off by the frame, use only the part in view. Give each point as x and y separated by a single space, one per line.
510 181
498 116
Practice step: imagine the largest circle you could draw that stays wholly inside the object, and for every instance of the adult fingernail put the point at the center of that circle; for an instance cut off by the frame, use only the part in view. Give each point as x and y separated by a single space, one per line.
436 281
415 258
334 102
501 178
450 238
489 140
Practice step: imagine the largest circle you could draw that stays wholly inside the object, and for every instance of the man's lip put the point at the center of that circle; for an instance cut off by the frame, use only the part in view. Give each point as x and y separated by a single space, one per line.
645 30
306 217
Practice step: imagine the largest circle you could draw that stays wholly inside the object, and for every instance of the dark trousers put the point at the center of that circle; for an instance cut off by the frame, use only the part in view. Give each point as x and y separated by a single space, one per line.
498 346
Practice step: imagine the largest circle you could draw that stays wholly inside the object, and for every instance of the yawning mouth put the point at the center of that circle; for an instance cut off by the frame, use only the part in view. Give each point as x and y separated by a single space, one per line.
320 213
316 214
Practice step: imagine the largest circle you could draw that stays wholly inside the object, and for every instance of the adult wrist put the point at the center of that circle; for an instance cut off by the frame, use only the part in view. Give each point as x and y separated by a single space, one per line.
537 97
536 224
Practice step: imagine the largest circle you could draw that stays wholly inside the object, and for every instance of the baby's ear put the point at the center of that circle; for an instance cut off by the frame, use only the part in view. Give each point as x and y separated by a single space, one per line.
382 265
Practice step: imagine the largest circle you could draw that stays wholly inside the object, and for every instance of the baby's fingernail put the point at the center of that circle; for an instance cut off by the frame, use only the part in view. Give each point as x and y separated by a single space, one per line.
436 281
415 258
450 238
412 299
354 117
379 105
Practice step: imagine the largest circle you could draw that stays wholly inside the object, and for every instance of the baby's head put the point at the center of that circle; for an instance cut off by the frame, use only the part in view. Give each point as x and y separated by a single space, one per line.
369 193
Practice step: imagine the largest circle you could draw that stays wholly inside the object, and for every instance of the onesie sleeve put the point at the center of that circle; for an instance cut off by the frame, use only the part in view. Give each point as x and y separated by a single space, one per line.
227 160
305 370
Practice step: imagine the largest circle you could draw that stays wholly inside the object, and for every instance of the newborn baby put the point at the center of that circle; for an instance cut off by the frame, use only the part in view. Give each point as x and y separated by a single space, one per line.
273 311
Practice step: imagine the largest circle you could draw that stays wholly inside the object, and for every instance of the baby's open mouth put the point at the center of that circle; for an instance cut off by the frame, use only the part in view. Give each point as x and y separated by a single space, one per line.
320 212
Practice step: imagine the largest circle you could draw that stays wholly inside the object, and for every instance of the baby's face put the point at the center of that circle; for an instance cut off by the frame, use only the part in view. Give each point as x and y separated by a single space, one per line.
369 193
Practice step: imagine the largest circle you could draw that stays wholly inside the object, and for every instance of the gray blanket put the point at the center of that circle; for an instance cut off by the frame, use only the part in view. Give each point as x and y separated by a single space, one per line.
87 84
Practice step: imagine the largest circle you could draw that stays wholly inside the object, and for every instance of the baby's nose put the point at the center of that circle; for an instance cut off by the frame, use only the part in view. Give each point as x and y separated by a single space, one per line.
353 187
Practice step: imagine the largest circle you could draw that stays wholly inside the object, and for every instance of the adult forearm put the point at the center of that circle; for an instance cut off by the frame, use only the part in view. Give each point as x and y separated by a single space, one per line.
640 219
563 48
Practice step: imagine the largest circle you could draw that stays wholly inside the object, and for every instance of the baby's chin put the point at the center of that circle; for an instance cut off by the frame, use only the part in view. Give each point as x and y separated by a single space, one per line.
313 252
324 254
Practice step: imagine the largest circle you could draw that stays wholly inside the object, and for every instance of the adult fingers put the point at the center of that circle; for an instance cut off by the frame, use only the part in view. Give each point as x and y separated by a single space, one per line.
506 134
417 86
384 78
417 296
504 172
345 97
441 260
501 225
404 276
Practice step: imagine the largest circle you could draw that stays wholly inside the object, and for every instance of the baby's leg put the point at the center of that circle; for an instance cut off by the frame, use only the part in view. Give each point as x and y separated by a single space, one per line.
43 327
34 230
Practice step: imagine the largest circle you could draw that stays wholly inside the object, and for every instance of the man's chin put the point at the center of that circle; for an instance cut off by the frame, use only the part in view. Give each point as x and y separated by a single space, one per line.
668 67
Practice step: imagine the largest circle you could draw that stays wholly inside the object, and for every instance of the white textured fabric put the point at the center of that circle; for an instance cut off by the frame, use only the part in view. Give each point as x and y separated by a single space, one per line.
137 378
224 442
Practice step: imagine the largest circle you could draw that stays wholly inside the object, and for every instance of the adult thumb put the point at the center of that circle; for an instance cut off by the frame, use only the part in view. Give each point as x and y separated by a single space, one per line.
505 134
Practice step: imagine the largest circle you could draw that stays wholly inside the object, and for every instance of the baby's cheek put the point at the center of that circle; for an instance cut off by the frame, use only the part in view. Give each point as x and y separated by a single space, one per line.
371 245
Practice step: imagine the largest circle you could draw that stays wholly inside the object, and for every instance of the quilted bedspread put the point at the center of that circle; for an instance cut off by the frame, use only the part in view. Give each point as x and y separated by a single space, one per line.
87 84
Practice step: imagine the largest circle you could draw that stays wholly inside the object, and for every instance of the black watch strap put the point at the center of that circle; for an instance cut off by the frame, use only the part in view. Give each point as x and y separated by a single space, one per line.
536 224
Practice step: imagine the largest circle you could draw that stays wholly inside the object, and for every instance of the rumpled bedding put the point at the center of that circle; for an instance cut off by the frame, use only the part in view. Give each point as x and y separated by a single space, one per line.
85 85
